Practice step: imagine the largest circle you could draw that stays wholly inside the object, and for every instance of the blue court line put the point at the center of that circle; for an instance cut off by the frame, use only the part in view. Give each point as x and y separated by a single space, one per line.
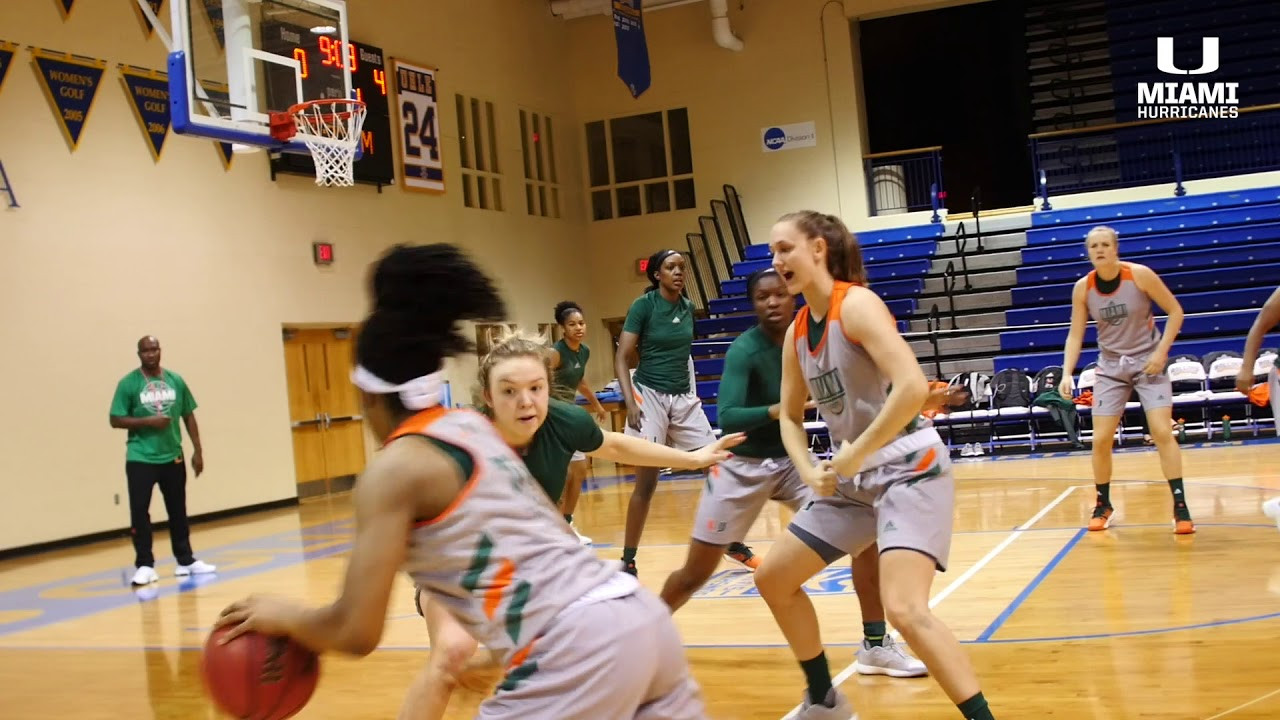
1133 633
985 635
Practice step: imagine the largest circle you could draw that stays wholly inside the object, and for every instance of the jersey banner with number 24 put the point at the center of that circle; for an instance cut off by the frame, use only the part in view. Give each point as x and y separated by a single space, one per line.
417 114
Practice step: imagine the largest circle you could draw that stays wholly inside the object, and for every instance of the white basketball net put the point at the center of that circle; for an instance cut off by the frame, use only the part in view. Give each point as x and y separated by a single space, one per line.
331 131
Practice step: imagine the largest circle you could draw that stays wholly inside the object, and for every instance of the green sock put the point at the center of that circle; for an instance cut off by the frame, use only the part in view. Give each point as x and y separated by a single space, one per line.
1179 499
628 554
975 708
874 633
1104 494
818 675
568 519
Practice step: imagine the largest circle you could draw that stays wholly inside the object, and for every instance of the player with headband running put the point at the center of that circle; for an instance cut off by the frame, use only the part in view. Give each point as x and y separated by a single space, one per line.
449 502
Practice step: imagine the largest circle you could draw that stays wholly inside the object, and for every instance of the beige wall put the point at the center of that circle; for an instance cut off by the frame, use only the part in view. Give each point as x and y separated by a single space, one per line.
110 245
780 77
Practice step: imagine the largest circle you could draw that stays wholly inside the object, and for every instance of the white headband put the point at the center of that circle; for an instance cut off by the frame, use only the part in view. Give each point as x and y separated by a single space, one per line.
416 394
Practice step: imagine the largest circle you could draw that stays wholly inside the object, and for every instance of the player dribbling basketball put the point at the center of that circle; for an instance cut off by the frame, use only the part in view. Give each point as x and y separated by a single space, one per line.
448 501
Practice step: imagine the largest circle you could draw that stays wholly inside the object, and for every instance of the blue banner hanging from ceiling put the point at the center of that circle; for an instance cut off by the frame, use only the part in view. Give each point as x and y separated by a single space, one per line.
7 49
633 52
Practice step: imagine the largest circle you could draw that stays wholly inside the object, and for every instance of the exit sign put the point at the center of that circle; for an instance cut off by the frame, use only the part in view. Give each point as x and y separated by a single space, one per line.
322 253
642 265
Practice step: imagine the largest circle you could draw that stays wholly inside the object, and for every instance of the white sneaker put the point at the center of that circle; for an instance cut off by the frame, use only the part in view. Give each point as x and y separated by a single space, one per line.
199 567
967 450
145 576
888 659
835 707
977 450
1271 509
581 538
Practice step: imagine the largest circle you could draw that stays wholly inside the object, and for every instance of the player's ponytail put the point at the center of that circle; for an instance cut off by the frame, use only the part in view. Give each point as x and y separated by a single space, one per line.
844 254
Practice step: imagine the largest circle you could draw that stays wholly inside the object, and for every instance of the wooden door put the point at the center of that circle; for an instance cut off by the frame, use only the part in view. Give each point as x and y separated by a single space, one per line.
324 409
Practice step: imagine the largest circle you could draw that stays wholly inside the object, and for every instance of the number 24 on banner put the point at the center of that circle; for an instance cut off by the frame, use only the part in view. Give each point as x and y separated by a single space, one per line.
418 115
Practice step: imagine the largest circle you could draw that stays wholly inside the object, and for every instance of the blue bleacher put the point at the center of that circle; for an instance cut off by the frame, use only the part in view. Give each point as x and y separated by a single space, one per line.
1130 246
891 290
902 308
875 273
1266 273
1035 362
1214 300
1220 324
1133 227
1214 257
870 256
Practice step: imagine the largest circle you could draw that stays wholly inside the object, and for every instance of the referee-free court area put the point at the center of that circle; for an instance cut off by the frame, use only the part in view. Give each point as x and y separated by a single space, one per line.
1133 622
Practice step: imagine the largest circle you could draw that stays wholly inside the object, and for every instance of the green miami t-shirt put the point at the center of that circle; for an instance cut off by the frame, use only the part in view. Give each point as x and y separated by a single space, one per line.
573 365
665 331
567 429
140 396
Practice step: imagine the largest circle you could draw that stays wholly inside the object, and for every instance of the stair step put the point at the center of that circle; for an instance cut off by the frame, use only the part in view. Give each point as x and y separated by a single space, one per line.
934 287
989 224
970 301
985 261
951 368
964 322
957 345
990 243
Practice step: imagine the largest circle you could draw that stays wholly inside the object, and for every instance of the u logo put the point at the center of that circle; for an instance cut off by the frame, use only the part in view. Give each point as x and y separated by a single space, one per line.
1208 57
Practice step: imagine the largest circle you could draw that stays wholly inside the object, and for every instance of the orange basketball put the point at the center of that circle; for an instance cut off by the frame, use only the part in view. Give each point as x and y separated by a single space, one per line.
256 677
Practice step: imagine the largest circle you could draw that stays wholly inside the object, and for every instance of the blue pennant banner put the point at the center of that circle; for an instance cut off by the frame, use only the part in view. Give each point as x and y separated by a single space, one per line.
71 82
7 49
149 97
633 51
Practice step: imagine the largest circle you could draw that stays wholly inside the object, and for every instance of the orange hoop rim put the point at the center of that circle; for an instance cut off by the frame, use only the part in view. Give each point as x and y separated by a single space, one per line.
355 106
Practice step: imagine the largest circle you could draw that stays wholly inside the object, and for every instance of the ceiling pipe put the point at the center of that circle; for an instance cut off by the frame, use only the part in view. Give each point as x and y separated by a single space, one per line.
721 30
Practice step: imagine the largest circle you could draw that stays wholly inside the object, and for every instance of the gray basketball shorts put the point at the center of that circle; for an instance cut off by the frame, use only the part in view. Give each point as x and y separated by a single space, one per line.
621 659
1118 376
736 491
906 502
673 420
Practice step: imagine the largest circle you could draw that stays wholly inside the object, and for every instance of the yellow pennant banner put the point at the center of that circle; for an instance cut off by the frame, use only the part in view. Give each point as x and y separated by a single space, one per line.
148 92
71 82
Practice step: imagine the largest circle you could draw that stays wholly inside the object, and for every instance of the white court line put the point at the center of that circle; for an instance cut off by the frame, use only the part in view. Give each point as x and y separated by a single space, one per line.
848 672
1241 707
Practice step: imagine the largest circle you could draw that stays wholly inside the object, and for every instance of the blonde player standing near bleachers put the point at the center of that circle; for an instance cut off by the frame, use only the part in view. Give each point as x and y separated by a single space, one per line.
1131 357
1267 318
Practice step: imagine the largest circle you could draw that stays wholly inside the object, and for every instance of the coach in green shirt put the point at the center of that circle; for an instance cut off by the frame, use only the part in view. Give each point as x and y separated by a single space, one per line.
148 403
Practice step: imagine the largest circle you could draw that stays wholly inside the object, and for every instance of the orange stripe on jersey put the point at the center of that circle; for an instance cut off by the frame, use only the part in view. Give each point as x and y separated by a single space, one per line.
838 290
521 655
418 424
501 581
926 462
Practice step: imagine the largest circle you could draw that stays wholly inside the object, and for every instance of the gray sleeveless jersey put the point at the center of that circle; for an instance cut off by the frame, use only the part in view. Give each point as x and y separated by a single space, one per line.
1126 326
500 558
841 376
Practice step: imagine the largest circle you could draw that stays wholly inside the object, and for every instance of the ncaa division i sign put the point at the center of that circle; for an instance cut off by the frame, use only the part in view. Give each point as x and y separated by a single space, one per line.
418 116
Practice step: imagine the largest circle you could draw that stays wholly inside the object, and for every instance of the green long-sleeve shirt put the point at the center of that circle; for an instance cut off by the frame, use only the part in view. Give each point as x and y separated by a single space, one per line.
750 383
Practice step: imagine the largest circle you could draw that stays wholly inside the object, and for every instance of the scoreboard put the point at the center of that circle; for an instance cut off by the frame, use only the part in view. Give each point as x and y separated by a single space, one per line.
321 60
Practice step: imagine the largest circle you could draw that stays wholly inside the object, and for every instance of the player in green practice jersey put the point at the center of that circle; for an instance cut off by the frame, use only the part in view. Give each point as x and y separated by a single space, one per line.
569 362
515 380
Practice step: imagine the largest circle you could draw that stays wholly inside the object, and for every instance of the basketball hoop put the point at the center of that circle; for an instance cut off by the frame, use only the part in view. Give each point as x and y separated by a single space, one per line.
330 128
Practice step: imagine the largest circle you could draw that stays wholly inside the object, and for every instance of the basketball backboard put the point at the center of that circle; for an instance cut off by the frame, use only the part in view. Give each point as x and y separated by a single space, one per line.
233 62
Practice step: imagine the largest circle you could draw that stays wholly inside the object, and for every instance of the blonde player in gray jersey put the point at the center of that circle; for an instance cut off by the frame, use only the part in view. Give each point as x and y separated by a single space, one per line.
890 480
450 503
1132 355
